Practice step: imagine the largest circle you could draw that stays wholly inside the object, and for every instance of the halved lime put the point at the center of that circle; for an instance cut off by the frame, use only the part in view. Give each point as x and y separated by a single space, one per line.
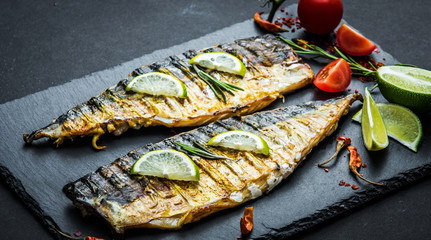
158 84
240 140
400 122
220 61
167 163
407 86
373 128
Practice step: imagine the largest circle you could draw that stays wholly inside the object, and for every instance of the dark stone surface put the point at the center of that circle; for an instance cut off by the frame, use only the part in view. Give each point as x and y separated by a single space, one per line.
45 45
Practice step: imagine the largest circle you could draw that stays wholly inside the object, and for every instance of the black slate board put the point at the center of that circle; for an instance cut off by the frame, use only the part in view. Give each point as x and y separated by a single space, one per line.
307 197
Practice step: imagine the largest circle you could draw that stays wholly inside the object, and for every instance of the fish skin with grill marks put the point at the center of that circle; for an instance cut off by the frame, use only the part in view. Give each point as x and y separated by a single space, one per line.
133 201
273 69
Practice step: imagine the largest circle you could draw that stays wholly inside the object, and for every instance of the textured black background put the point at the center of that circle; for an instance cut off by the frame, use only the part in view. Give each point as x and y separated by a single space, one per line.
44 45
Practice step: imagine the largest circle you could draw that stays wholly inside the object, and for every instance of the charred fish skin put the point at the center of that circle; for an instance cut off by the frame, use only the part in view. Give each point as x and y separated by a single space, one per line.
273 69
132 201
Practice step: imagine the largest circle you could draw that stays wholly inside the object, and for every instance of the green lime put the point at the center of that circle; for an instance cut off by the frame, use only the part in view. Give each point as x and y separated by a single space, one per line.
167 163
407 86
158 84
400 123
373 128
240 140
220 61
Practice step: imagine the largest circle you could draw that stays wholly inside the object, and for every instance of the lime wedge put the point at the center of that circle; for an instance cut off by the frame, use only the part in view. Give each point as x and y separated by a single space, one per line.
157 84
400 123
407 86
167 163
240 140
373 128
220 61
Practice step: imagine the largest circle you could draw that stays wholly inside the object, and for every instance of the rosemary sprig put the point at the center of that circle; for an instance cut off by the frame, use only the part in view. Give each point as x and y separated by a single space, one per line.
357 68
202 151
217 86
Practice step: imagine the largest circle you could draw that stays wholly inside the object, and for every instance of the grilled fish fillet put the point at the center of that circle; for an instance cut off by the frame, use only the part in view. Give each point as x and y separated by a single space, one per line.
273 69
133 201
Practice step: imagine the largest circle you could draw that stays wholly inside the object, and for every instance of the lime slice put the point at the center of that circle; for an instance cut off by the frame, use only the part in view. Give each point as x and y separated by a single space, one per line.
157 84
407 86
167 163
373 128
240 140
400 123
220 61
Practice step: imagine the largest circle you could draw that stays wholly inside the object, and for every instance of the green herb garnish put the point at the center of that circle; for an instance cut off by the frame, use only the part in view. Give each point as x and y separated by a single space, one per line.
217 86
357 68
202 151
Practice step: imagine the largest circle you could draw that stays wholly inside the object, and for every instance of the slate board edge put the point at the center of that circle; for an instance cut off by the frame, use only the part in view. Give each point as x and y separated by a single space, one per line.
360 198
29 202
396 183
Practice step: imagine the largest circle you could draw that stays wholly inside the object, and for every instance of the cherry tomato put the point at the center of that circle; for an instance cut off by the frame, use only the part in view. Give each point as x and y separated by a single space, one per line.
320 16
352 42
334 77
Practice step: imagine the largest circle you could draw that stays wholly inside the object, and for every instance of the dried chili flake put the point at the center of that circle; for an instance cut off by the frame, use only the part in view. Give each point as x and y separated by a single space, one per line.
342 183
326 169
341 142
246 222
55 4
362 79
356 90
364 165
282 9
354 187
77 233
73 238
355 163
347 184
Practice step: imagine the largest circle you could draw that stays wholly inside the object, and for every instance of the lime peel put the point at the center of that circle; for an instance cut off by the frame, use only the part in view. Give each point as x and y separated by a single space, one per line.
220 61
240 140
373 129
401 124
167 163
158 84
407 86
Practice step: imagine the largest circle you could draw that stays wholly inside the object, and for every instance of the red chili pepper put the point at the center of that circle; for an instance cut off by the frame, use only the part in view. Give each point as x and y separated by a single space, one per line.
354 187
356 162
341 142
246 222
268 26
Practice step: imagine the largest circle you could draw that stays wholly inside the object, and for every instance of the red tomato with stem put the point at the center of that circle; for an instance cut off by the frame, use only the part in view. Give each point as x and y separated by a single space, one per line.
334 77
320 16
352 42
